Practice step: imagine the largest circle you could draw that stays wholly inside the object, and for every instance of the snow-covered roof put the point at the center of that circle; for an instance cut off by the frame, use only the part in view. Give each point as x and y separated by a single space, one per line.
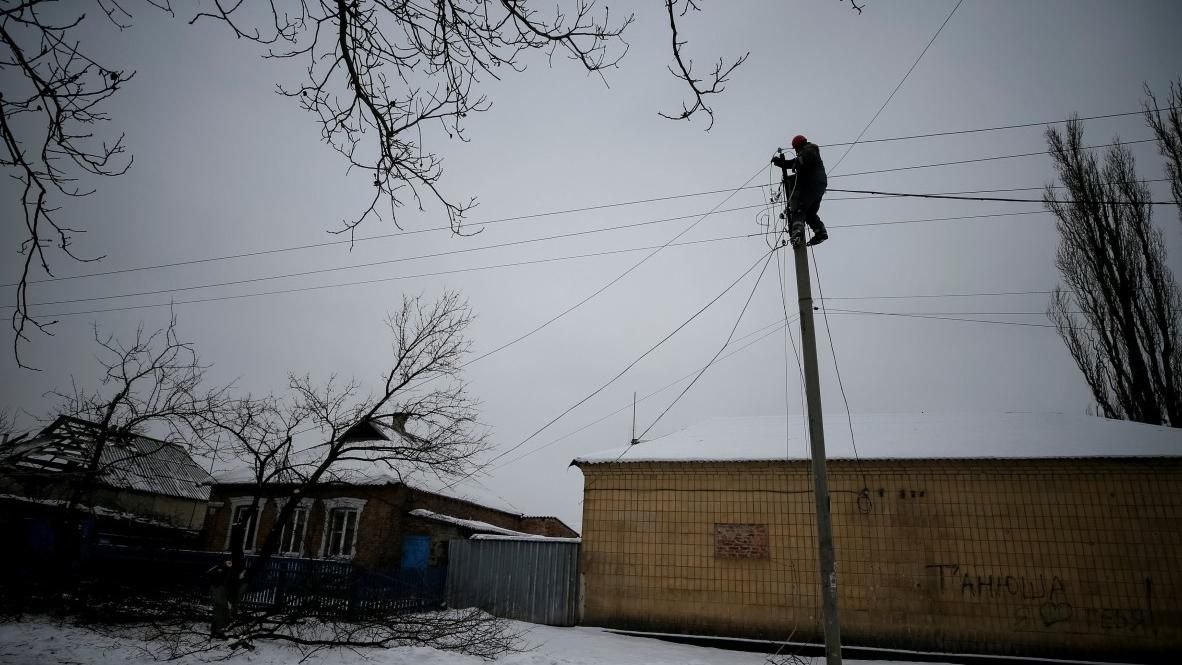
529 537
368 473
139 463
899 436
471 525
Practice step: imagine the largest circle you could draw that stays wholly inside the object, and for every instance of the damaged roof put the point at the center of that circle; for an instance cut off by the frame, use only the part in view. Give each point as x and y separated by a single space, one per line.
138 463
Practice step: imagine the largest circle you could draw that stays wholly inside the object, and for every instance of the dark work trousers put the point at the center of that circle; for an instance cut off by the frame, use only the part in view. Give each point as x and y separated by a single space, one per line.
807 212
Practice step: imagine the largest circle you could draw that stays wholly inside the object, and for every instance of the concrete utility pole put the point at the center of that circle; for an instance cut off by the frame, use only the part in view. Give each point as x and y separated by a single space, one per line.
812 389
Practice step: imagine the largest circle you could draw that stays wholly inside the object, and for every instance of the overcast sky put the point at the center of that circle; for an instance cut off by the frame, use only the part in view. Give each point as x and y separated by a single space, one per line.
223 165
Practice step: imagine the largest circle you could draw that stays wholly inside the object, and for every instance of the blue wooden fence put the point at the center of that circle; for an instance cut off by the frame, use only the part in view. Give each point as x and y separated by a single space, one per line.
319 587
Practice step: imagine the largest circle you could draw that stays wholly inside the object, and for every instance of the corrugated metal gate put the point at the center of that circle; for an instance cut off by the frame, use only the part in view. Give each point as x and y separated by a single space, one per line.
524 579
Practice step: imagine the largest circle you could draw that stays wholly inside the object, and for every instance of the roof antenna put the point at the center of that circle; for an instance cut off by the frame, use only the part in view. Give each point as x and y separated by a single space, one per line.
634 439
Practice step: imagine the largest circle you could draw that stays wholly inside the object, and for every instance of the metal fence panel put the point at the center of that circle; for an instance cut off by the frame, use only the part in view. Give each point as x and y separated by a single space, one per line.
529 580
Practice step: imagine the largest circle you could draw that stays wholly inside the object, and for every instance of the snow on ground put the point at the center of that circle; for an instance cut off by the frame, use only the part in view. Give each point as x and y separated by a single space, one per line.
44 642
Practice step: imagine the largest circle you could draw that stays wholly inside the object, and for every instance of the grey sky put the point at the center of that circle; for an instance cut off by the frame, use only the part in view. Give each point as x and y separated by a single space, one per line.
223 165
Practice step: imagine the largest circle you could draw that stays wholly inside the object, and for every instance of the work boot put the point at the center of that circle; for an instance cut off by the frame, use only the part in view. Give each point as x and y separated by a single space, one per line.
820 235
796 233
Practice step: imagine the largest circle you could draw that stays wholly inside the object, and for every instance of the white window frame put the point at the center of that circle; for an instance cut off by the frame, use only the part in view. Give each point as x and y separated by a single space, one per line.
305 505
330 505
235 504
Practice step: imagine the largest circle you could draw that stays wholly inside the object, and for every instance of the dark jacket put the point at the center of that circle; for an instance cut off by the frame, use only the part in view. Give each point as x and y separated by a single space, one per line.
811 181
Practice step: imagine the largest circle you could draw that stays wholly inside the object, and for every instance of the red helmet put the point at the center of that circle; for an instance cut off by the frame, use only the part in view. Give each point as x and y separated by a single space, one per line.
798 141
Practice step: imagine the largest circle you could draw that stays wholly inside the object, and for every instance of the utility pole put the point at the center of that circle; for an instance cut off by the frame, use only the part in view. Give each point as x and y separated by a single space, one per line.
812 389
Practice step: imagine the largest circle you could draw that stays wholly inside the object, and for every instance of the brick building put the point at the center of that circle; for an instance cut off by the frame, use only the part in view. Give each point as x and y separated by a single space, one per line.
378 522
1015 534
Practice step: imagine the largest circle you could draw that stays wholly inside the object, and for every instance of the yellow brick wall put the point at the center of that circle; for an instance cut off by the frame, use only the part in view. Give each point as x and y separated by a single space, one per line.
1022 557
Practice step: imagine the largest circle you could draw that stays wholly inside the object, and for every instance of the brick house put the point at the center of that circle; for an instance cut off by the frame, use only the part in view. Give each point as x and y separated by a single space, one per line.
379 521
1016 534
144 487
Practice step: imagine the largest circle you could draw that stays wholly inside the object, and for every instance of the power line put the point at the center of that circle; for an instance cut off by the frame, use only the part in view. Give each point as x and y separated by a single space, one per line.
991 191
763 333
945 318
722 348
329 243
524 263
982 159
900 85
990 129
371 264
632 364
937 219
398 277
992 198
381 236
941 295
619 277
837 367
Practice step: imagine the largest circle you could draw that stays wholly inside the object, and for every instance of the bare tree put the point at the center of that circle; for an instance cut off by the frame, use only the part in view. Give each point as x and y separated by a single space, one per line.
154 383
380 76
1120 313
420 419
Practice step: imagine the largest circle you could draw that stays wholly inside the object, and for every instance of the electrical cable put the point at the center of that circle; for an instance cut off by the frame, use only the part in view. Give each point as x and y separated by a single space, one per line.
371 264
379 280
617 278
990 191
763 333
942 295
632 364
949 318
991 198
722 348
837 369
382 236
982 159
991 129
524 263
900 85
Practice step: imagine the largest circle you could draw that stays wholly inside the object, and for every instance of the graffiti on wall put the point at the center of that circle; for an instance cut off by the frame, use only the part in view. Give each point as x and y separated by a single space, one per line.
1041 601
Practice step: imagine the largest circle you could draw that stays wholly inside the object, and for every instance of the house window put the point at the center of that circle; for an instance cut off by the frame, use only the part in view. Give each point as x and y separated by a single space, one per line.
247 516
291 541
342 531
342 520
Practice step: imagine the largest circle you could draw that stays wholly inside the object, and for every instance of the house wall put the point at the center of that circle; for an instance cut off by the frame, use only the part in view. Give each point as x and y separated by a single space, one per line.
377 543
383 522
547 526
183 513
1022 557
179 512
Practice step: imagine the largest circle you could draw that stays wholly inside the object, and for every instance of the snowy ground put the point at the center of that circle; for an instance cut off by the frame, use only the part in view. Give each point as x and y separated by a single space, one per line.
47 643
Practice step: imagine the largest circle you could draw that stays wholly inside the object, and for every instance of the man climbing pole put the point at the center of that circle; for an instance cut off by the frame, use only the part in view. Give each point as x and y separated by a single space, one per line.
805 190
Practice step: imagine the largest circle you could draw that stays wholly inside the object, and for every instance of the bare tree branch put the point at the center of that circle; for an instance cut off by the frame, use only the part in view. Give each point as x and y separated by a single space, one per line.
1167 129
685 68
392 67
382 78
